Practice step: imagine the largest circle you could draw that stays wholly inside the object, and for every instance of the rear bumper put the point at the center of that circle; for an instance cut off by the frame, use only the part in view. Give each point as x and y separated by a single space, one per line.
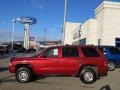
103 72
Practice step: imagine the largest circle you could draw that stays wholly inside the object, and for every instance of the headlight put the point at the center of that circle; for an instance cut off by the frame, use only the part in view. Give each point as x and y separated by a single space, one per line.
12 59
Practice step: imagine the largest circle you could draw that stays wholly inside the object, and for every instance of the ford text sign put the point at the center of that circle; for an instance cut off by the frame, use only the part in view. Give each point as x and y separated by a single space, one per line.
28 20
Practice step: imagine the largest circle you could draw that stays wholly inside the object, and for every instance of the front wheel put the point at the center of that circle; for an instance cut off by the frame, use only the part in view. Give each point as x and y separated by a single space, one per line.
23 75
88 76
111 66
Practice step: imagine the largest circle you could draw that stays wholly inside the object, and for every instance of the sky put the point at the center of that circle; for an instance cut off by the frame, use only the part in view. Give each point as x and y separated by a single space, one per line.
49 15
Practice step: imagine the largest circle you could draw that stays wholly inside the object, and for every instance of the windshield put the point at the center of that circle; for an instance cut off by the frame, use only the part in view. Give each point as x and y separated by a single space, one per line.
37 54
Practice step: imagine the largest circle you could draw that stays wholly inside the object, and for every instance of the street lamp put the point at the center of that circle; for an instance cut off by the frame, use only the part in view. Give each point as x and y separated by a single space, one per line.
13 30
45 37
64 26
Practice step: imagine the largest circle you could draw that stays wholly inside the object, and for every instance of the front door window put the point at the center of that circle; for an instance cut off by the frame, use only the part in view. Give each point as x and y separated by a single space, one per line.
51 53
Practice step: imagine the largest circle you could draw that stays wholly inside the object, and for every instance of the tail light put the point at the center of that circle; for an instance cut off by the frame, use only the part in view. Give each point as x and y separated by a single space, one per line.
105 63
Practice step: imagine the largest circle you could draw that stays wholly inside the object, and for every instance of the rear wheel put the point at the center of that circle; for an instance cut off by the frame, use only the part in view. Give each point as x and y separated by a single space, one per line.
111 66
23 75
88 76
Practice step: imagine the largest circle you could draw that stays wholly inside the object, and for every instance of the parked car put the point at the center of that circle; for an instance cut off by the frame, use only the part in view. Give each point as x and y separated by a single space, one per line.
112 55
3 49
17 48
85 62
31 50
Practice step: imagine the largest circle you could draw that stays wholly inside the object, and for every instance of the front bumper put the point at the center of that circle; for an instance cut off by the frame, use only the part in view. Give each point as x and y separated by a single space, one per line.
11 68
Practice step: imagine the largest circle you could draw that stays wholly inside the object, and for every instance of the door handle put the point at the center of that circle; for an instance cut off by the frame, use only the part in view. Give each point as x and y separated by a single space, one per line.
56 61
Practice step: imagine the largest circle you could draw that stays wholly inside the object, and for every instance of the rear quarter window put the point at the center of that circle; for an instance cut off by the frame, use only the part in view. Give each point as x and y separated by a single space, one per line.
90 52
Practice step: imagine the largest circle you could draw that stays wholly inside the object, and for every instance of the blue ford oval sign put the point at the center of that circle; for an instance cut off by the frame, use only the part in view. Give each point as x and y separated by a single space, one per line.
28 20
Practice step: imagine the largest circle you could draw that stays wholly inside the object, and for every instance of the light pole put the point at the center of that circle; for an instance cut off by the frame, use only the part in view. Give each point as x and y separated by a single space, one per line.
45 37
64 26
13 30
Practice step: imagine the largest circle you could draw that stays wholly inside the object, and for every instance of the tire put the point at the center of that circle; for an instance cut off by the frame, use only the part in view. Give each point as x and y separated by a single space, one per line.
23 75
111 66
88 76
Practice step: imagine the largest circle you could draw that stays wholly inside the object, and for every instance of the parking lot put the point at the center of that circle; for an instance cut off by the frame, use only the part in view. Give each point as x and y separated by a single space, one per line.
7 81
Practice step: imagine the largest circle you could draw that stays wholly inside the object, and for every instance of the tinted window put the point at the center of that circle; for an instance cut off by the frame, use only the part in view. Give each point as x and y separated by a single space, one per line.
117 42
114 50
70 52
90 52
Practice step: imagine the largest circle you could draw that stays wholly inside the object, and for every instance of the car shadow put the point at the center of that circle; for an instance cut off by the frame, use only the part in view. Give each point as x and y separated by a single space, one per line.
57 83
2 69
37 77
106 87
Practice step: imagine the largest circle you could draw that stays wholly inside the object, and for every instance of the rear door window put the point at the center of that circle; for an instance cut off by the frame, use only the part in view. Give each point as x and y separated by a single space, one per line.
90 52
70 52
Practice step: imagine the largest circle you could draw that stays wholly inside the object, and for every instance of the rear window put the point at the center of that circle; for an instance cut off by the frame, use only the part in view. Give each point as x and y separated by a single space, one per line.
90 52
114 50
70 52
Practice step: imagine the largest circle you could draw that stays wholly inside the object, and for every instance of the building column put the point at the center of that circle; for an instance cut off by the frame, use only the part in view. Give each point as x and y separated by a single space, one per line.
26 36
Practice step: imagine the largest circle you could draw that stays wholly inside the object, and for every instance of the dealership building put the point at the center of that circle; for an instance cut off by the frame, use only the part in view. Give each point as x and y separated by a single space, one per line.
104 29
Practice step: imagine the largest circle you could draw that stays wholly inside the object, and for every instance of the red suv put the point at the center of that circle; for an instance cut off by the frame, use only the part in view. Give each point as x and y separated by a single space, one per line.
85 62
